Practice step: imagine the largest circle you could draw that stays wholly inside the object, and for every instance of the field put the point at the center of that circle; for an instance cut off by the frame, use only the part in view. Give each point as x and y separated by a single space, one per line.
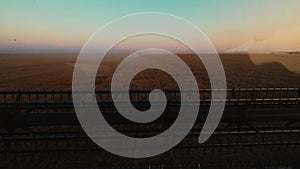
54 71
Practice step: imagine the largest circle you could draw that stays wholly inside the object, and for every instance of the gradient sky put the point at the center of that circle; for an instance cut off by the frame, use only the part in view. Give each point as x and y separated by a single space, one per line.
232 25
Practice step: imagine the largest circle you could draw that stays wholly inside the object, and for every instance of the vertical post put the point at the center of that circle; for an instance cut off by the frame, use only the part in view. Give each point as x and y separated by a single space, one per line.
233 92
4 97
253 94
18 97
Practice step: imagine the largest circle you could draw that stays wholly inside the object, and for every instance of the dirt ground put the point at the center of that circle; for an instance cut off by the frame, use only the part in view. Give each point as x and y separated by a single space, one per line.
49 72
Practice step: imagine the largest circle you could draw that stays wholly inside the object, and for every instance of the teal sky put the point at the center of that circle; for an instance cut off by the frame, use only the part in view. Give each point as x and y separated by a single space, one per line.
55 24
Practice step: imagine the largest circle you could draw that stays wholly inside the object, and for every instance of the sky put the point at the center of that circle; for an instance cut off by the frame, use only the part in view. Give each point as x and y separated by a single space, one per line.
232 25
